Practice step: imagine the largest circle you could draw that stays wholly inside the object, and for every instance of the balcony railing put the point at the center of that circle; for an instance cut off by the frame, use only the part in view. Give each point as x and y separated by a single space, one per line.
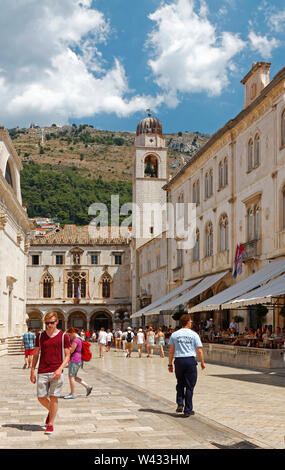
252 249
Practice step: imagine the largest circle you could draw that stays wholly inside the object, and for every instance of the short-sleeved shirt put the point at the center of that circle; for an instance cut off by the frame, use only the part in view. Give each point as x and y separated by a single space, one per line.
185 341
76 355
140 338
109 337
118 334
102 337
29 340
51 351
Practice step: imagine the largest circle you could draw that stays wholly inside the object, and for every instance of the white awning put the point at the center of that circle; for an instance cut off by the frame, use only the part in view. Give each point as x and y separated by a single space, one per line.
204 285
171 295
262 295
269 271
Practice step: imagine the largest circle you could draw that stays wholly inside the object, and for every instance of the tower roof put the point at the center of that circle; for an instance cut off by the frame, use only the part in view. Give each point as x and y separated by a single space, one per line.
149 125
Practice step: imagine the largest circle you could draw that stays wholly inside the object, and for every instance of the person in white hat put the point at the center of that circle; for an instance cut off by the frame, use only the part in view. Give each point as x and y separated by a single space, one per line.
140 339
129 341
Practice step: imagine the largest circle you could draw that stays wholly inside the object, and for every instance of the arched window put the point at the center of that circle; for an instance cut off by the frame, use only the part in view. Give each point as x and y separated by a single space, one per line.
180 207
283 128
8 174
226 172
221 175
250 154
151 166
209 239
256 223
47 285
196 192
211 183
196 249
256 150
76 285
206 186
250 224
224 233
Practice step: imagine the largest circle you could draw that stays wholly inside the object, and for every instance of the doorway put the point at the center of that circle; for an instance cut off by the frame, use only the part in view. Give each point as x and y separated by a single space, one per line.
102 320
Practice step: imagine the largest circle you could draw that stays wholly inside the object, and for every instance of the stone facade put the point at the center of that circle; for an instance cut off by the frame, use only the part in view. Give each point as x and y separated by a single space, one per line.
14 225
86 280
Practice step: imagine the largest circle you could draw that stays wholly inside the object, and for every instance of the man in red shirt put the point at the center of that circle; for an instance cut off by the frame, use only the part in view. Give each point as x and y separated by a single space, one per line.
53 347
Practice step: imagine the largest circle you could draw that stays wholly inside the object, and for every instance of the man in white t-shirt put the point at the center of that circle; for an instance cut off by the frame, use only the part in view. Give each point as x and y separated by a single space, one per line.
140 341
102 341
128 336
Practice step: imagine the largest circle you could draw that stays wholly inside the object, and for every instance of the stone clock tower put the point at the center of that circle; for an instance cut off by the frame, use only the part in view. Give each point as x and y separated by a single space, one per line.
150 174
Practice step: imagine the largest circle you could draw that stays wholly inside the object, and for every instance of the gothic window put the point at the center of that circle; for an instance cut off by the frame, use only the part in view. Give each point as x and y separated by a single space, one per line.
209 239
196 249
221 175
196 192
253 216
225 171
209 184
283 128
47 283
256 150
206 186
151 166
250 154
76 284
8 175
224 233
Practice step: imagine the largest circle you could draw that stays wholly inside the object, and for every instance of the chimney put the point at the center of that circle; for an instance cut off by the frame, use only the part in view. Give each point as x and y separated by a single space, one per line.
255 81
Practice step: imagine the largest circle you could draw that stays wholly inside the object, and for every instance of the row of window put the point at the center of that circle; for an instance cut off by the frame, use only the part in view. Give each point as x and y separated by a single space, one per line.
76 259
76 285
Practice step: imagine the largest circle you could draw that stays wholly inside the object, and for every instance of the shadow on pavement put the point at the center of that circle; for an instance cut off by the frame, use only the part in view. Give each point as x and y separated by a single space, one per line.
24 427
150 410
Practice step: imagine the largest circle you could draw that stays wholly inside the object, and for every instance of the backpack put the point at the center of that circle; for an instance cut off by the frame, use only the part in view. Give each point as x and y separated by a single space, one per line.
129 337
85 352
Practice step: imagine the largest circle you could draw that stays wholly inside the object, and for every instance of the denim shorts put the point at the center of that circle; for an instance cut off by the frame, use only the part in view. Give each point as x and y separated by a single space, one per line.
47 386
73 368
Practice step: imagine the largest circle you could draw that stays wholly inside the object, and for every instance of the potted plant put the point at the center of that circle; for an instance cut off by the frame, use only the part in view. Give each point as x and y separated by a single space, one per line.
260 313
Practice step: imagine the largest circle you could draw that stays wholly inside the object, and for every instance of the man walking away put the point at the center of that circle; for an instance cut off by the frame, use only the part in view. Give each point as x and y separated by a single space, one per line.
140 338
184 345
53 347
28 343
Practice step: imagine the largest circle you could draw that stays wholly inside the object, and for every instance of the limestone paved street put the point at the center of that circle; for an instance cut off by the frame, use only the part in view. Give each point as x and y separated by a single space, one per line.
132 406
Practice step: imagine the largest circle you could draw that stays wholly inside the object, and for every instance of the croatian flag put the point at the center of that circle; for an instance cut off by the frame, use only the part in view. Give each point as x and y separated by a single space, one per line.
241 256
234 274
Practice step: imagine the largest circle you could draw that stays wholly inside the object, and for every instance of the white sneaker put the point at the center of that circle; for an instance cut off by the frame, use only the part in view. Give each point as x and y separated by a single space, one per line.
68 397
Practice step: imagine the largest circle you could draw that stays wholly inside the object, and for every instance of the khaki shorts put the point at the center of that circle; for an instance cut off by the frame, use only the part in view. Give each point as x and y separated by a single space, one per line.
47 386
128 346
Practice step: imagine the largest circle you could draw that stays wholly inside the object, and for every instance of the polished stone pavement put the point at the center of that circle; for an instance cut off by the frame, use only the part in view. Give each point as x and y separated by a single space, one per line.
132 406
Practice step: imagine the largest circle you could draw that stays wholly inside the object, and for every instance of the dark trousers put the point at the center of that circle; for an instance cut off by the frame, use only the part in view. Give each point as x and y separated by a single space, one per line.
186 375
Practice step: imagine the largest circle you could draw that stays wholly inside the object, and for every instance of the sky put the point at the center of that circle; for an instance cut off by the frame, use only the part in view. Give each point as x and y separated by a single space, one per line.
105 62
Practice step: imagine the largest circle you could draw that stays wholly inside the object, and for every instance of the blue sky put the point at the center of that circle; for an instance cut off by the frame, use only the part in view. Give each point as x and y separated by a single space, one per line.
104 62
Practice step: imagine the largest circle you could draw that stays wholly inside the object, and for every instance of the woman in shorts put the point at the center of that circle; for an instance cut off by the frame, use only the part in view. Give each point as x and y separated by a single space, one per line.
161 341
150 337
109 340
75 363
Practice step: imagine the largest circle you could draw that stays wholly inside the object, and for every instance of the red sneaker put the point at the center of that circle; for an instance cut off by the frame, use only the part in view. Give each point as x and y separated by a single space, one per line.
47 420
49 429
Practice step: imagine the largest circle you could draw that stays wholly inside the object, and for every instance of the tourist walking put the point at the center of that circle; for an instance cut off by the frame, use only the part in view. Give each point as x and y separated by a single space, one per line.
161 341
75 363
150 340
109 340
28 343
118 339
53 348
128 336
184 345
93 337
102 341
140 339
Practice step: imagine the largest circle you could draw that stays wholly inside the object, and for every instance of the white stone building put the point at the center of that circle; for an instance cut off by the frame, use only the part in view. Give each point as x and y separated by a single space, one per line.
86 280
14 225
237 181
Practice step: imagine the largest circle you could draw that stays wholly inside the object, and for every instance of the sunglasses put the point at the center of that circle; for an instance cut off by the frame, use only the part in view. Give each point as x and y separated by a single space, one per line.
50 322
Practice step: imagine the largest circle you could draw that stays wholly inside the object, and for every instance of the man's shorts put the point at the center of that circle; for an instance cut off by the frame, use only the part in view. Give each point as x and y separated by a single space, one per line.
47 386
29 352
129 346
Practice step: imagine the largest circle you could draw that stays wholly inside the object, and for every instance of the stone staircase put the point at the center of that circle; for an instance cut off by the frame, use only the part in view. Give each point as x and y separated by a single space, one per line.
14 346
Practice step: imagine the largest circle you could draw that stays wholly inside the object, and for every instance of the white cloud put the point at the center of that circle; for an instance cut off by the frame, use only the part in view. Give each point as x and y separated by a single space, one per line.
277 21
262 44
189 56
57 71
